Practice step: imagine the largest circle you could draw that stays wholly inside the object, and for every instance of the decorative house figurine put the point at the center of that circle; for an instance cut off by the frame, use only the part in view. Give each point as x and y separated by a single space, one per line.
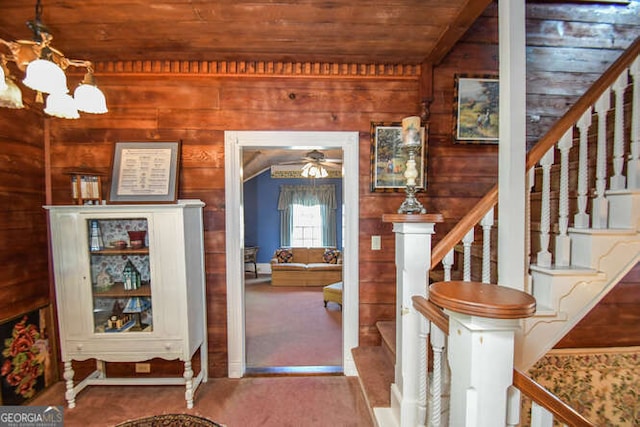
104 281
130 277
118 320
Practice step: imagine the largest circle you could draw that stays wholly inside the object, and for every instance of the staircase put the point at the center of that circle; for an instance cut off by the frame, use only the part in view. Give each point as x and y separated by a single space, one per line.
375 366
571 268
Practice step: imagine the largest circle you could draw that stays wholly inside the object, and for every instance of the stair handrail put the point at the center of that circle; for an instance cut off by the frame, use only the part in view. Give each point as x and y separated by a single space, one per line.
490 199
529 387
537 393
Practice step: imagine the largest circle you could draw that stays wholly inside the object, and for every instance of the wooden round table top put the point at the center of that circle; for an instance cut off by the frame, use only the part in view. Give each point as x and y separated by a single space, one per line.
483 300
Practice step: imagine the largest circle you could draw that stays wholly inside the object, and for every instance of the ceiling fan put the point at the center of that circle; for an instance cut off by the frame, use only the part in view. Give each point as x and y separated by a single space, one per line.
317 157
315 164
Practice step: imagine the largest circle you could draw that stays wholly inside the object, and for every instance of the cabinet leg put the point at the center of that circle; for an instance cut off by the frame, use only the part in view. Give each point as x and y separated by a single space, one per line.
100 365
188 376
70 394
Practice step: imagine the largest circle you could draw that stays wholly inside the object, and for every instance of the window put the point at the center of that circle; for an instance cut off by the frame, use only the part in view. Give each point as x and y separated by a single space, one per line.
306 227
307 215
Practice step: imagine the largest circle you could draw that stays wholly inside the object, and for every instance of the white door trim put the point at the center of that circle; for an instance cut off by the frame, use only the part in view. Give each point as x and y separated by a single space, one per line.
234 142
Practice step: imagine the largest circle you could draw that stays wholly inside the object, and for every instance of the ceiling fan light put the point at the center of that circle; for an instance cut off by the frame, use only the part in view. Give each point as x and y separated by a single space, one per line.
46 77
61 105
90 99
312 170
11 96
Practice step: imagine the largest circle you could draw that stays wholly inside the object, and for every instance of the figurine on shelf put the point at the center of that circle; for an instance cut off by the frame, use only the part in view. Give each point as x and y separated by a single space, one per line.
119 321
131 277
104 281
96 243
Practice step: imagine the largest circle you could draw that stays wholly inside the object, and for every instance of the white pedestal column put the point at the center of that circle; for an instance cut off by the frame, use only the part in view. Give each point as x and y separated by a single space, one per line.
483 320
413 261
481 360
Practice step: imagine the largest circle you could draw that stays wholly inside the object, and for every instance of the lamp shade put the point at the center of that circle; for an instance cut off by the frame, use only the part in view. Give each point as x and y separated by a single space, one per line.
61 105
11 96
411 131
90 99
46 77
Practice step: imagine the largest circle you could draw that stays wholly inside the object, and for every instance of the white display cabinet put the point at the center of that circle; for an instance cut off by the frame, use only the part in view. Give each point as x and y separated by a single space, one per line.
127 297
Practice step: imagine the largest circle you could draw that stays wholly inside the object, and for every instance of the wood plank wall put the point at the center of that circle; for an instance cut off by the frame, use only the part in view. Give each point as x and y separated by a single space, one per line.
24 271
197 109
193 103
614 322
568 48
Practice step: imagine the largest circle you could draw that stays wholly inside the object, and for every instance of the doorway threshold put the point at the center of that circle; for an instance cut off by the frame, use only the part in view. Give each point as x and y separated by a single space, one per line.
283 371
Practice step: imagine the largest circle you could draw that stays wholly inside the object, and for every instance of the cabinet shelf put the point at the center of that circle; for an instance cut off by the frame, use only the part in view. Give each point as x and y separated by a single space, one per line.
117 290
126 251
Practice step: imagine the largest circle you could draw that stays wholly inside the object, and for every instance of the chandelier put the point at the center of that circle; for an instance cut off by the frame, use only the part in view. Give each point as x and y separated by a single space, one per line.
44 68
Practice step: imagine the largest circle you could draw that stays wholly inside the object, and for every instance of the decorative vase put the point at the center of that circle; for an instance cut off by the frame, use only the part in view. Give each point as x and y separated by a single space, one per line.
136 239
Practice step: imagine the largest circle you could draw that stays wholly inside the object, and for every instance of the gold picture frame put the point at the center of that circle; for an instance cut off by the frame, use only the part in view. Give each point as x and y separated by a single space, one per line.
476 109
388 159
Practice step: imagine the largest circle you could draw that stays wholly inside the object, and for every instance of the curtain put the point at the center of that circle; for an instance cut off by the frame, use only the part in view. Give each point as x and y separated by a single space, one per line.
308 195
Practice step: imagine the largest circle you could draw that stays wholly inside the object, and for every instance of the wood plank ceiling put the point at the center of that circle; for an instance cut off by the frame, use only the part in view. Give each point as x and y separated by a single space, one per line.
376 31
326 31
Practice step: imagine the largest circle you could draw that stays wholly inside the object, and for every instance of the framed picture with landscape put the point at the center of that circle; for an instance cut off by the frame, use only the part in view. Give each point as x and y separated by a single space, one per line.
389 160
476 115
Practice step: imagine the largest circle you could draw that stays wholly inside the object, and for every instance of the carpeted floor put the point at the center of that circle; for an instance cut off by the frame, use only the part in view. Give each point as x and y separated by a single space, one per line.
247 402
289 326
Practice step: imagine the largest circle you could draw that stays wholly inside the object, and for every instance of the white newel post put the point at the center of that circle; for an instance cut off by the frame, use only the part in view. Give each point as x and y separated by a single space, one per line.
483 319
413 261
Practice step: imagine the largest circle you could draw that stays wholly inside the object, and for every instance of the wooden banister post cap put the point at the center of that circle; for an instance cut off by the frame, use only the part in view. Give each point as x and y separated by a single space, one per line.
414 218
482 300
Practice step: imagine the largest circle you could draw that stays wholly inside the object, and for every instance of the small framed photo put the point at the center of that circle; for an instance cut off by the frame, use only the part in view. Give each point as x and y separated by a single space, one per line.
145 172
476 114
389 159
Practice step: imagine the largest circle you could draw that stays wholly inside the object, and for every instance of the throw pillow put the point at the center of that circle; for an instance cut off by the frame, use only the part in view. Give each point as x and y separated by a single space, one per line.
284 255
331 256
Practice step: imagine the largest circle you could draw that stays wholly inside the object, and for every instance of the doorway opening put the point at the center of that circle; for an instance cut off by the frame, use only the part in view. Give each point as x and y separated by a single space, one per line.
235 143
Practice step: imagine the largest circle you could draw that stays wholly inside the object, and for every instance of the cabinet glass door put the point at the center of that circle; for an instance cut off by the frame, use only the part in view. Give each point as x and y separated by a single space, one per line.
120 275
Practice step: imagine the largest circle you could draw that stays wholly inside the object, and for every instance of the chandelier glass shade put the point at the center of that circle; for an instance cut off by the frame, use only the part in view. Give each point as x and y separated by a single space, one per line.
44 76
3 82
61 105
44 68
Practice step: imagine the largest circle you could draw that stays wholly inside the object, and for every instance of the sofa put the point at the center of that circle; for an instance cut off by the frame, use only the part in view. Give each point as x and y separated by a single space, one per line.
306 266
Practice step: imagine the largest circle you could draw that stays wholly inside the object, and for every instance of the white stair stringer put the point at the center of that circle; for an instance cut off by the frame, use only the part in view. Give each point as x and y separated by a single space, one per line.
564 296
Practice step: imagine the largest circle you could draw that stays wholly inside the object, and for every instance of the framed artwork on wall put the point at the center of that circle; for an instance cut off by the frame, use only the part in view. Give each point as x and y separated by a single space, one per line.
28 364
476 114
389 160
145 172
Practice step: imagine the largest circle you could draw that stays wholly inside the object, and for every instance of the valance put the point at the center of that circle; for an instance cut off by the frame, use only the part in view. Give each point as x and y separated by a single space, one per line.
307 195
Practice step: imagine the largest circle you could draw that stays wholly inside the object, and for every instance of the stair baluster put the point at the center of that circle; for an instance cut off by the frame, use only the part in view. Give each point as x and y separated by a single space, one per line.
581 218
487 224
600 204
563 241
633 166
619 181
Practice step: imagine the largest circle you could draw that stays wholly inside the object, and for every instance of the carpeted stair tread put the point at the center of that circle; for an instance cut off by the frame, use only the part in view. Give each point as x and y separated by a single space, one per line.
376 374
387 329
